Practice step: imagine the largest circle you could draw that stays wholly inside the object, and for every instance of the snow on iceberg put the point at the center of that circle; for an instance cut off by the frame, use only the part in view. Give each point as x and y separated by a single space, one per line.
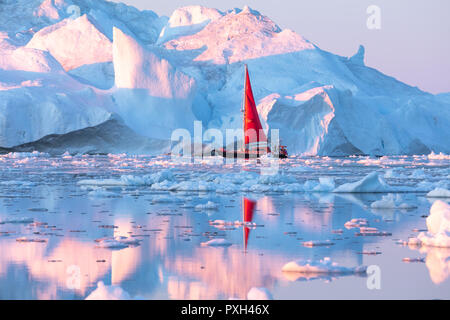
186 21
74 42
438 224
238 28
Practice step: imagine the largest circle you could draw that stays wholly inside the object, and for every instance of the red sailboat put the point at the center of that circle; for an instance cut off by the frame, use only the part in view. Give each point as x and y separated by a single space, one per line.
255 140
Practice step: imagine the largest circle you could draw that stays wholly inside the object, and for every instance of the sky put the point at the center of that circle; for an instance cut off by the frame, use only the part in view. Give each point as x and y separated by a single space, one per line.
411 44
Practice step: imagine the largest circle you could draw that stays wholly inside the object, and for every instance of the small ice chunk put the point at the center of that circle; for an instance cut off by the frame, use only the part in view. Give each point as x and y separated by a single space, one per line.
386 202
317 243
101 193
118 242
439 193
207 206
103 292
373 182
324 266
413 259
438 224
356 223
216 243
17 220
26 239
259 294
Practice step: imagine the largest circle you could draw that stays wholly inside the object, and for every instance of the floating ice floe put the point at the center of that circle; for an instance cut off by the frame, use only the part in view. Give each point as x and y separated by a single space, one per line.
118 242
130 180
391 201
370 231
413 259
103 292
259 294
216 243
17 220
356 223
317 243
419 174
207 206
27 239
164 199
17 183
101 193
438 224
373 182
427 186
223 223
325 266
439 193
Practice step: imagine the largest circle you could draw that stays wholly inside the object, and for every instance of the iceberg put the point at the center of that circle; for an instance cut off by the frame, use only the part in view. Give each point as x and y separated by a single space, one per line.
152 74
373 182
438 224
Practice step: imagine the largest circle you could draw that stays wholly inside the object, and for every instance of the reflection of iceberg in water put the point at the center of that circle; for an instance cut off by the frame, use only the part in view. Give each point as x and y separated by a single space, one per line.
437 262
53 268
221 273
167 266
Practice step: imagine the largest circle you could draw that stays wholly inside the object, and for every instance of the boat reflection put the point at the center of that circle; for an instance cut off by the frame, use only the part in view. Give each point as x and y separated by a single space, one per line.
248 210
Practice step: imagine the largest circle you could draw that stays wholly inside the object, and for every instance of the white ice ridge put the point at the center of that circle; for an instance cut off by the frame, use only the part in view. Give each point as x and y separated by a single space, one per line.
438 224
324 266
246 181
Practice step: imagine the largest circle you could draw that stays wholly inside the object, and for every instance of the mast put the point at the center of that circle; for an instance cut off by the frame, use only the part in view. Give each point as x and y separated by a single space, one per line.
243 96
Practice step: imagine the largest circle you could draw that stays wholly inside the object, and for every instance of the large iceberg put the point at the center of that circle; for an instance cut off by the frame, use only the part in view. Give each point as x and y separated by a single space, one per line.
67 66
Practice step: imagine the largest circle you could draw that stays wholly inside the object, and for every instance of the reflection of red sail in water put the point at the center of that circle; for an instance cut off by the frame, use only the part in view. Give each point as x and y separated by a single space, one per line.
248 208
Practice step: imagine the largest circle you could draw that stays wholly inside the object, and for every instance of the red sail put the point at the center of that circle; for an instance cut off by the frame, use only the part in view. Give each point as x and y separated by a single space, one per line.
252 126
249 207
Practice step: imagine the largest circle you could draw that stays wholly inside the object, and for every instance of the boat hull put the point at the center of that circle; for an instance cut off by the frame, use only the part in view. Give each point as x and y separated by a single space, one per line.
243 154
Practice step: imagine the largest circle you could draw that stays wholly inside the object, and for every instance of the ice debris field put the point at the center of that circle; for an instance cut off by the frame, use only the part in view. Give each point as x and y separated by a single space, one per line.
142 227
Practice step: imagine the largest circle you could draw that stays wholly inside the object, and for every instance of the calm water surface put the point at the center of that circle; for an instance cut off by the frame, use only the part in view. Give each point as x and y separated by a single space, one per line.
171 263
